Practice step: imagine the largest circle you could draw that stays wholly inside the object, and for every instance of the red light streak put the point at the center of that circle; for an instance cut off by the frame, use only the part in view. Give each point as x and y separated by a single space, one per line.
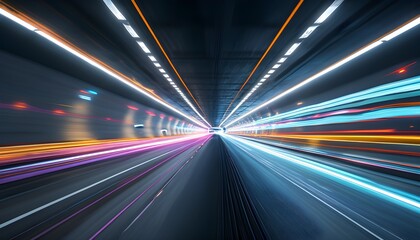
132 107
59 112
20 105
151 113
402 69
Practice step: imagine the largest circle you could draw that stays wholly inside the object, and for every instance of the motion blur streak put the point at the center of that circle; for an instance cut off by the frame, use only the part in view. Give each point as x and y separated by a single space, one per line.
407 88
389 36
63 43
404 199
100 140
43 167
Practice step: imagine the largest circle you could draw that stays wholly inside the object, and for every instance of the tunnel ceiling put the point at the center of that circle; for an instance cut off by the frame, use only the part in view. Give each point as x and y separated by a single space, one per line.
214 45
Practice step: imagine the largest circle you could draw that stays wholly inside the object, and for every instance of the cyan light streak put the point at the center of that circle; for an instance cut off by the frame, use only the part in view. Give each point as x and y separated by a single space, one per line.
401 198
372 115
393 91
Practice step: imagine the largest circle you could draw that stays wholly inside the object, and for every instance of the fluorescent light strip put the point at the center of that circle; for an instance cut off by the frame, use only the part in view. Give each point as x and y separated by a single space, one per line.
271 71
112 7
116 76
402 29
130 30
308 32
292 49
410 25
282 60
329 11
308 80
144 47
114 10
17 20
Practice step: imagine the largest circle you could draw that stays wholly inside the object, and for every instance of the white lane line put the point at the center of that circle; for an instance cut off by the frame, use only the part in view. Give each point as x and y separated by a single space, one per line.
328 205
7 223
161 190
267 164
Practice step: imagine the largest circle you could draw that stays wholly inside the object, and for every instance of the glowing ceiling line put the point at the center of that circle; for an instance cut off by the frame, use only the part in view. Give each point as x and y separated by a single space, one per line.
305 35
143 46
261 59
94 62
387 37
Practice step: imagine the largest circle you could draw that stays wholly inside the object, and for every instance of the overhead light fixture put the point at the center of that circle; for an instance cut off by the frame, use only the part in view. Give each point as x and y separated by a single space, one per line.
308 32
144 47
114 10
282 60
292 49
169 79
161 70
402 29
271 71
409 25
17 20
113 74
267 76
112 7
130 30
329 11
263 79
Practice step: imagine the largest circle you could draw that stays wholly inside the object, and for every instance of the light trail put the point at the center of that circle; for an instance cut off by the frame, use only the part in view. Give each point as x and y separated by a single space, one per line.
401 198
35 169
58 40
360 52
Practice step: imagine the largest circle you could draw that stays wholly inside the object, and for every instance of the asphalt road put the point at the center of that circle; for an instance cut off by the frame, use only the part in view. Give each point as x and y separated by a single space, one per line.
300 196
222 187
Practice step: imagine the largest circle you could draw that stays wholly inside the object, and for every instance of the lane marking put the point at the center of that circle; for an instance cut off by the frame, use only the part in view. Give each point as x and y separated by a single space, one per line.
11 221
268 165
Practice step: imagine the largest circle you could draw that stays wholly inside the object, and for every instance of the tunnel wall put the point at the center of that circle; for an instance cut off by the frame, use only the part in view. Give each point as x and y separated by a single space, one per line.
38 104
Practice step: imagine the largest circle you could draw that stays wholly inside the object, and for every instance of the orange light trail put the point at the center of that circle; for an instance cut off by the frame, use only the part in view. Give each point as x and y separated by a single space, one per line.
265 53
164 53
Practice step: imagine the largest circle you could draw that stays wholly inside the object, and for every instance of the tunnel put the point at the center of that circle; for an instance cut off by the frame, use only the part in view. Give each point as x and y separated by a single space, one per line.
223 119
